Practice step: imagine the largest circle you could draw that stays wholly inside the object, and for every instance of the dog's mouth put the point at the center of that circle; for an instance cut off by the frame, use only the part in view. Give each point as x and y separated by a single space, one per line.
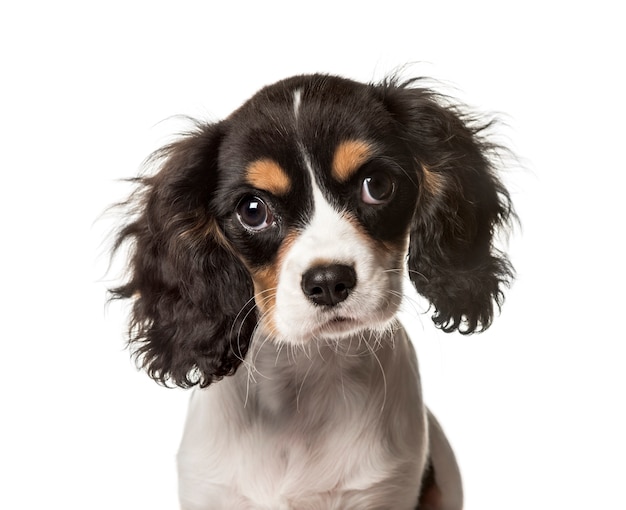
340 325
341 322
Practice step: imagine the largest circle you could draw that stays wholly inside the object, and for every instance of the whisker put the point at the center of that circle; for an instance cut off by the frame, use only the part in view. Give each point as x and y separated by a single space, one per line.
257 352
306 349
250 365
382 373
317 344
279 350
237 352
421 275
241 324
302 386
399 270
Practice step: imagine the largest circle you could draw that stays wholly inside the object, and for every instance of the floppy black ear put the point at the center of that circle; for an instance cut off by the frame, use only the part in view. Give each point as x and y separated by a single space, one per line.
461 205
191 319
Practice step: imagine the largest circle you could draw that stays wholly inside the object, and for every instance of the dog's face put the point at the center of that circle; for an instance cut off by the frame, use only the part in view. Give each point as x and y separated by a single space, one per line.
315 197
295 218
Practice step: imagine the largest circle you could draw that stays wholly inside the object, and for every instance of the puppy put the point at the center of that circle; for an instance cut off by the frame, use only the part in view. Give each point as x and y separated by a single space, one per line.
267 258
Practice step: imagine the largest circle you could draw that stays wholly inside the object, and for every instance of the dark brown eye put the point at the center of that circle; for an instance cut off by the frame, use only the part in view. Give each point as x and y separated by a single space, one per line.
377 188
254 214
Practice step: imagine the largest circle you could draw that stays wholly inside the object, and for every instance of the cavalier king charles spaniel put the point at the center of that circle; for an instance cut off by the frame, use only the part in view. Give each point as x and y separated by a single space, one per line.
267 258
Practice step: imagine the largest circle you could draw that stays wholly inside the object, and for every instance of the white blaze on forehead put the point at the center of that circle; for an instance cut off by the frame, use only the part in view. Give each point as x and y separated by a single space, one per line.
297 100
329 237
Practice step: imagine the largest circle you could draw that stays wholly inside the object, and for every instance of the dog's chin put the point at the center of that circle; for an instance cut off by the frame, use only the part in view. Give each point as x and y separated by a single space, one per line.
337 328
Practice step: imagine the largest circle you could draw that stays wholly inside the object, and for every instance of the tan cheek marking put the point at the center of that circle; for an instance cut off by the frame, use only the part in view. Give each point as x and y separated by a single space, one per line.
434 183
268 175
266 284
349 156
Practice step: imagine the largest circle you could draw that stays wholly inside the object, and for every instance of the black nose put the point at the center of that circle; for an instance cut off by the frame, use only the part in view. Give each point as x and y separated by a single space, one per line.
328 285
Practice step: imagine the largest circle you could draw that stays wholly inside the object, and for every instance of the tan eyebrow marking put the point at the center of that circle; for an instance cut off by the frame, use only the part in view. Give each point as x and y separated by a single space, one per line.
348 158
267 175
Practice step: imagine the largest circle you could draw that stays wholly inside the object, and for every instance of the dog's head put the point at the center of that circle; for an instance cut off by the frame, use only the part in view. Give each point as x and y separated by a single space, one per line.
296 216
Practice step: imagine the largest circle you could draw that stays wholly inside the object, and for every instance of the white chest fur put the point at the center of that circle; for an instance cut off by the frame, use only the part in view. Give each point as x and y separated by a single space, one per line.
337 427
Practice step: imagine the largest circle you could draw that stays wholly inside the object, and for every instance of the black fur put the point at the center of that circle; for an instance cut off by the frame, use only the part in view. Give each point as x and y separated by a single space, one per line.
192 315
193 307
452 259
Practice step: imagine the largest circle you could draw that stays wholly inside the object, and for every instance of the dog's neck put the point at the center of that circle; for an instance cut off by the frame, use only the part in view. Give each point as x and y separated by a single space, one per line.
317 384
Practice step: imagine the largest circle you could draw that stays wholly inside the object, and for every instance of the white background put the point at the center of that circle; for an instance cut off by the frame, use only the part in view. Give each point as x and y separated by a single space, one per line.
534 407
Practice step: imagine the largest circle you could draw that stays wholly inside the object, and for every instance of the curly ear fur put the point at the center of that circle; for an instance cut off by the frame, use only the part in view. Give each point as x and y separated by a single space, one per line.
462 203
192 315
